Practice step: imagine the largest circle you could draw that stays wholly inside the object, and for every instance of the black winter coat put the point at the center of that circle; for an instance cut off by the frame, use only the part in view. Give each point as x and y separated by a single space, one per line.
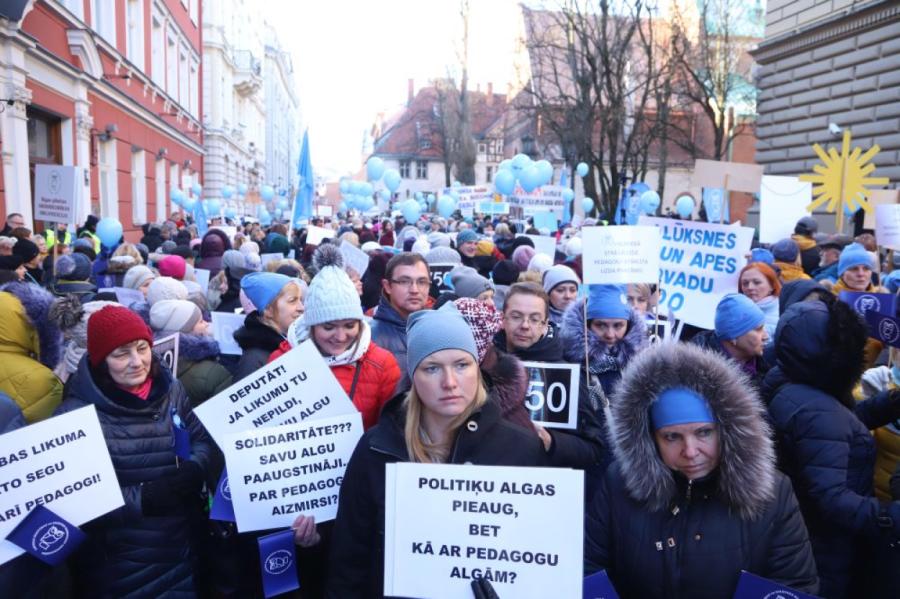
357 550
257 340
127 553
389 332
709 340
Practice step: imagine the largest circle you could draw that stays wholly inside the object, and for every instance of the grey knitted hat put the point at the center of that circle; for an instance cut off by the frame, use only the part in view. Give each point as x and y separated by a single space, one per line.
430 331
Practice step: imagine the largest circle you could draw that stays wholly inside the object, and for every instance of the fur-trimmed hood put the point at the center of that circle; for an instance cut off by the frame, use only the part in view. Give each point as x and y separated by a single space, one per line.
745 478
37 301
573 330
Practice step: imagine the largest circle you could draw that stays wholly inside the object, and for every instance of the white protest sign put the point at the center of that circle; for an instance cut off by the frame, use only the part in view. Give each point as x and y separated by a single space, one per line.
295 387
552 395
224 324
230 231
469 197
699 264
202 276
127 296
887 225
57 192
324 210
542 199
270 257
167 350
61 463
355 258
542 244
623 254
315 235
446 525
277 473
782 202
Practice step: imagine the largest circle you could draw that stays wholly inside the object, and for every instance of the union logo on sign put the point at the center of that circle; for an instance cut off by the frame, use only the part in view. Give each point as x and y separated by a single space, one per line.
780 595
278 561
55 182
225 489
50 538
864 303
888 331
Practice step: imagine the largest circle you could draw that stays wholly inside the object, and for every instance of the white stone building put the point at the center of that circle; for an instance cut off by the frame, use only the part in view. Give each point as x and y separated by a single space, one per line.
282 109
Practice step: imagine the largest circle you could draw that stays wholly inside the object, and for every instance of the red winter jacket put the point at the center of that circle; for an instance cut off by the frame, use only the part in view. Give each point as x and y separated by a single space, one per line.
378 378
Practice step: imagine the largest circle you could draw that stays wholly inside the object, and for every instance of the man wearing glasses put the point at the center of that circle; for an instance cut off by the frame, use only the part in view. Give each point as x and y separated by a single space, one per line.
529 334
404 290
13 221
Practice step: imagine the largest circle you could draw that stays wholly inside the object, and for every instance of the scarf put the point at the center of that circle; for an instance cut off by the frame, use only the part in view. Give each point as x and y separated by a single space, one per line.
299 332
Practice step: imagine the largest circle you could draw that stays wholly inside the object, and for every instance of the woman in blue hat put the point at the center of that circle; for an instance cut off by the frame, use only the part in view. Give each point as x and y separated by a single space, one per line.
740 335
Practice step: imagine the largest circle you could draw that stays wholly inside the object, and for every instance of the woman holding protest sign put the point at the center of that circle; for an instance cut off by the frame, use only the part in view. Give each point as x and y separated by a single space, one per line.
447 417
145 547
693 496
760 283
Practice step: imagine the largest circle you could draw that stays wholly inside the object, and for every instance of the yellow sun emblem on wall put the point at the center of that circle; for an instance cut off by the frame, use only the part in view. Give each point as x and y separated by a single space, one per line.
842 180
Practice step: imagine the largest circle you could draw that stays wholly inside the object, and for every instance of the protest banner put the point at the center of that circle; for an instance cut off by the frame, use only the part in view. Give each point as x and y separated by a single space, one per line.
270 257
782 202
166 350
543 199
202 277
491 207
61 463
751 586
57 192
127 297
439 274
446 525
879 197
469 197
546 220
295 387
884 328
620 254
278 473
542 244
355 258
224 324
887 225
699 264
862 302
552 395
315 235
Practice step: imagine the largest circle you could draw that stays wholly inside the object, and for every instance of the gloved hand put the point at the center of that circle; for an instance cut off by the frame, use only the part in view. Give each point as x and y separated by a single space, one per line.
875 380
895 484
483 589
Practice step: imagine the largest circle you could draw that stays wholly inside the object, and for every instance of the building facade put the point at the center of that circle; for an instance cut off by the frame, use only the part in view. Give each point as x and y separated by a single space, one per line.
111 86
283 111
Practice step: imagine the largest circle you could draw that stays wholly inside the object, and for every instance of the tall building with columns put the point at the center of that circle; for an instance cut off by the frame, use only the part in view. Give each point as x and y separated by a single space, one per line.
283 111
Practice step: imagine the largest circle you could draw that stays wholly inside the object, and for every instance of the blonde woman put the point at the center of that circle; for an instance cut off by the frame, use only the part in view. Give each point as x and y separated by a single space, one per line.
447 417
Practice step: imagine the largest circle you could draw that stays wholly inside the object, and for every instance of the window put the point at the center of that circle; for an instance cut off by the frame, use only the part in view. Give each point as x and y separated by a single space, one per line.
421 169
184 89
161 190
423 135
109 188
134 33
76 7
174 177
193 11
172 64
482 148
195 88
138 188
489 174
404 169
103 15
158 51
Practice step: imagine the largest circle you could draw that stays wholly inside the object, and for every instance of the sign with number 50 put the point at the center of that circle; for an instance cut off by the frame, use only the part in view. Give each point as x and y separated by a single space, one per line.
552 396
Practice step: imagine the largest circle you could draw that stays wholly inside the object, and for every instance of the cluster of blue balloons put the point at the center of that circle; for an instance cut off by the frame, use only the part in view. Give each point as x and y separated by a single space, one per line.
376 171
529 174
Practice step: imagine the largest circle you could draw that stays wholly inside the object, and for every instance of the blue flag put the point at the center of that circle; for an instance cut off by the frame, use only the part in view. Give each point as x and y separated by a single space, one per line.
751 586
222 509
303 202
883 303
277 558
199 214
181 437
717 205
598 586
46 536
884 328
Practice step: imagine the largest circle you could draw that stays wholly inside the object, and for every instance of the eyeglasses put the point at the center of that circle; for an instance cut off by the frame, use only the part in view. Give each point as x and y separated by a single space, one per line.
517 319
409 283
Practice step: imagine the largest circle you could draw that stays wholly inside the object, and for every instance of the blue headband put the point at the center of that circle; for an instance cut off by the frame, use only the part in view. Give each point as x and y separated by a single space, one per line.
679 405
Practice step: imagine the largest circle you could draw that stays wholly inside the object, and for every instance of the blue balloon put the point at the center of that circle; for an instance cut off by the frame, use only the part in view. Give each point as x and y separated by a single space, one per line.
455 184
283 204
109 230
227 192
587 204
265 220
266 192
392 179
345 185
384 194
177 196
230 213
546 171
343 207
582 169
367 204
568 195
520 162
374 168
242 189
410 210
188 203
530 178
505 165
418 195
366 189
196 189
684 206
649 202
505 182
213 207
446 205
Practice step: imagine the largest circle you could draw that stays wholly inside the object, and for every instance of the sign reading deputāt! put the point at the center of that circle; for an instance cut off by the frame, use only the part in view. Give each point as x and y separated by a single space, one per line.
295 387
469 197
57 191
552 395
542 199
699 264
278 473
61 463
624 254
447 525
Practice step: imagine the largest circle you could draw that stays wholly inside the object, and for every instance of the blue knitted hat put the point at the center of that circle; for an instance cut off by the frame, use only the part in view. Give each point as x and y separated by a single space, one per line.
853 255
430 331
465 236
762 255
679 405
737 315
607 301
263 287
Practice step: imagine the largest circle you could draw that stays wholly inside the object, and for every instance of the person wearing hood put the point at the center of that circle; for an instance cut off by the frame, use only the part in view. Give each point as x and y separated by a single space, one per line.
740 335
145 547
73 274
30 346
693 498
804 236
198 369
278 302
759 282
30 255
152 237
561 285
212 248
826 448
787 260
420 426
615 334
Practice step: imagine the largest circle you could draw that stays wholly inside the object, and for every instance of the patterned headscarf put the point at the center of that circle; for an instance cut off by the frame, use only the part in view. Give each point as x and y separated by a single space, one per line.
483 319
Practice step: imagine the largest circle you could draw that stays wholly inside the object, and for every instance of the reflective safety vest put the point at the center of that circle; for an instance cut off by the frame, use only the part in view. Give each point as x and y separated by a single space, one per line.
50 235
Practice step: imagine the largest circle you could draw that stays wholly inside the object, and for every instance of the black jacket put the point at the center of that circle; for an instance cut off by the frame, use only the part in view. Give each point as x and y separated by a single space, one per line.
389 332
357 550
127 552
657 534
257 340
709 340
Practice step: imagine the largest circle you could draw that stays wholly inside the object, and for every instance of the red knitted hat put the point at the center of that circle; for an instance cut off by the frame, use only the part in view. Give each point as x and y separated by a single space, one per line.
112 327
